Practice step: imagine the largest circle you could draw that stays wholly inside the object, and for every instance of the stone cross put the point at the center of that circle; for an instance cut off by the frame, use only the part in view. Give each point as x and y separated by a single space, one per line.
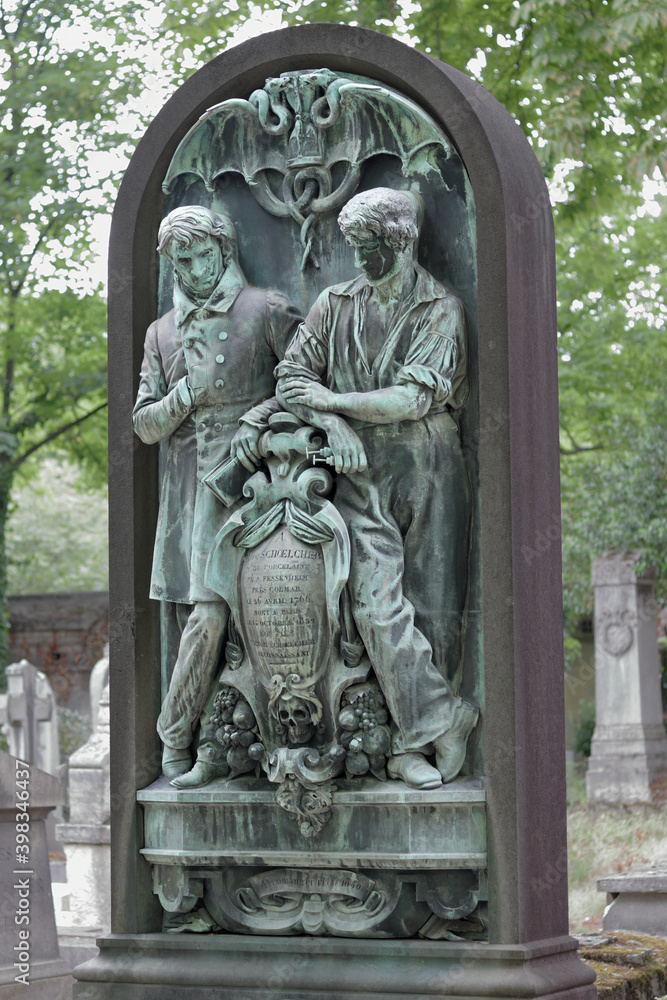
629 744
28 712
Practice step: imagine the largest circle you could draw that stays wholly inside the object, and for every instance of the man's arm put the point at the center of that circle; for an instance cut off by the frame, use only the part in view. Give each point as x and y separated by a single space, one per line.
157 413
379 406
344 446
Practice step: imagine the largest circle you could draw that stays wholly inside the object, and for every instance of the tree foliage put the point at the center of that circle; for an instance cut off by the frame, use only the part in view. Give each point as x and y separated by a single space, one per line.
57 536
64 78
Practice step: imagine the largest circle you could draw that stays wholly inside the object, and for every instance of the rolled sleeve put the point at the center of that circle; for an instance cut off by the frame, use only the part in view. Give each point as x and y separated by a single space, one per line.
435 358
440 386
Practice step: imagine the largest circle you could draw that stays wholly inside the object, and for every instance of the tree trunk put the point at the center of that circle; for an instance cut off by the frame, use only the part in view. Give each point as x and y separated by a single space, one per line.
6 481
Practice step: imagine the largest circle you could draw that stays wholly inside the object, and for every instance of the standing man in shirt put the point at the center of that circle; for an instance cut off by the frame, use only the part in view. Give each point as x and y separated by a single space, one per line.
380 365
207 387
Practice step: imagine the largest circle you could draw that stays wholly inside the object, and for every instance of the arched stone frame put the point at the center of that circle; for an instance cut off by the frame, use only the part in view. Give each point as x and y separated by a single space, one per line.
518 456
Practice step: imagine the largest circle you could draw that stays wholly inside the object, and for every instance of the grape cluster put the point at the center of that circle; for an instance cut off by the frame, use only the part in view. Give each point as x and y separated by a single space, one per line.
224 705
224 736
367 705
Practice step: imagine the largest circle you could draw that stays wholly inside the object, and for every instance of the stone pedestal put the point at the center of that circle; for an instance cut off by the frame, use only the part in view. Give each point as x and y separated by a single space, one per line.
85 911
629 746
28 941
637 900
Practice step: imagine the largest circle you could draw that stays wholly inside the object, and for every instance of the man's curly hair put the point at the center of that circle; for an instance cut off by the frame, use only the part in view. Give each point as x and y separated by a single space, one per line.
392 216
192 224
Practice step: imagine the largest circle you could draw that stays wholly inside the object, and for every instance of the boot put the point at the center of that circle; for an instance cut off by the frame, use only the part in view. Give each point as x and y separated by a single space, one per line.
414 770
201 774
175 761
450 749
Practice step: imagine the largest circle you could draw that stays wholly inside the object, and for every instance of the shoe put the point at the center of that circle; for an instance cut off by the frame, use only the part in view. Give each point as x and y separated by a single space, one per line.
175 761
414 770
201 774
450 749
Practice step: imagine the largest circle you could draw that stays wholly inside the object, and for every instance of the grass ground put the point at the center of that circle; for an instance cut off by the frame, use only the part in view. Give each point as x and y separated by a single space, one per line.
605 840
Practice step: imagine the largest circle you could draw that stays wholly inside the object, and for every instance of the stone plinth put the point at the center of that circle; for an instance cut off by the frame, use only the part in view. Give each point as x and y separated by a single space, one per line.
27 922
629 746
637 899
85 841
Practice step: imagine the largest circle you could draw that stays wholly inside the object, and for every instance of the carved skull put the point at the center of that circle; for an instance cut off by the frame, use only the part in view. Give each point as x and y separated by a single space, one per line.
294 714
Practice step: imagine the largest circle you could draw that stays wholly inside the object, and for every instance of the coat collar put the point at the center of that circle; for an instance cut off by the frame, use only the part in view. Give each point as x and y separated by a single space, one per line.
426 287
220 300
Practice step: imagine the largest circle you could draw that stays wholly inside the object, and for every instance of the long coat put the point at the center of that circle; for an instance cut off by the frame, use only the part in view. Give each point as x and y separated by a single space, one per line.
205 367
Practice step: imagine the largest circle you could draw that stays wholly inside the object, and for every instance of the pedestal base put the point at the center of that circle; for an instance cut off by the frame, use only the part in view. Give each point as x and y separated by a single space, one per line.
232 967
624 762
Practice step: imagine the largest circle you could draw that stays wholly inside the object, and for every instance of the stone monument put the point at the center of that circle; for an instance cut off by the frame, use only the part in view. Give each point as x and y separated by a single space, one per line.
30 962
336 731
629 745
637 899
30 718
85 838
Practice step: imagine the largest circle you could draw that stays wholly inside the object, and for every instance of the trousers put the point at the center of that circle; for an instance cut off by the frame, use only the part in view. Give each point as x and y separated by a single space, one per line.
196 668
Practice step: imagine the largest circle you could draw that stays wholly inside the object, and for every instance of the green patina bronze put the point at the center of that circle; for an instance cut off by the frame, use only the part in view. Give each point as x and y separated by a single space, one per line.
316 549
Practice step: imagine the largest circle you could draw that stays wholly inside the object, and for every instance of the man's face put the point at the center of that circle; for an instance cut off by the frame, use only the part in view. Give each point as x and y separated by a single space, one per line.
374 257
199 266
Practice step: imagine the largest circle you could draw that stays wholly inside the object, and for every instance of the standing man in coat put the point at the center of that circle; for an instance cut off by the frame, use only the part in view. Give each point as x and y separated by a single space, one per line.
207 388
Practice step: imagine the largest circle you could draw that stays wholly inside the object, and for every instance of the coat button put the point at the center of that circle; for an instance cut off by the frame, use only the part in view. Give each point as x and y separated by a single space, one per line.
201 427
217 428
223 335
220 358
189 342
219 383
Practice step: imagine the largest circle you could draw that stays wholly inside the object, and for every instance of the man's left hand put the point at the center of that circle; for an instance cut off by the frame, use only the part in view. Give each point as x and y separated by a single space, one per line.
245 446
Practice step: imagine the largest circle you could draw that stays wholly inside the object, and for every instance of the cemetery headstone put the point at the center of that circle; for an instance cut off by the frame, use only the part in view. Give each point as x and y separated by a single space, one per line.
29 716
637 899
85 839
99 679
337 747
30 961
629 745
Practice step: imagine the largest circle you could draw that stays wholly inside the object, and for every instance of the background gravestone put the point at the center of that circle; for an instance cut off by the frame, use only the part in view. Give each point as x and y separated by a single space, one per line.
629 745
177 844
27 894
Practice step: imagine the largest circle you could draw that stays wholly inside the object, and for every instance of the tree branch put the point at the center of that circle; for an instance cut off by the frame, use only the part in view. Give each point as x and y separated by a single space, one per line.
54 434
578 449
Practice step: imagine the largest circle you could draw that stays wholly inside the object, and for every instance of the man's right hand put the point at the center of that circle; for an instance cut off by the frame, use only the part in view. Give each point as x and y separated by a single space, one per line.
245 446
345 450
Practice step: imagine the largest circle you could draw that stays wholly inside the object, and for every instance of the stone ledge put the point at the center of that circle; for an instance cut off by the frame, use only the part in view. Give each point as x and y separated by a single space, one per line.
83 833
643 878
230 967
378 825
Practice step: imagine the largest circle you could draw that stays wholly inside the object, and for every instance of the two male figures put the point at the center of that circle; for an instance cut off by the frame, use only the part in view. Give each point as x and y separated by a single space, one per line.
389 346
